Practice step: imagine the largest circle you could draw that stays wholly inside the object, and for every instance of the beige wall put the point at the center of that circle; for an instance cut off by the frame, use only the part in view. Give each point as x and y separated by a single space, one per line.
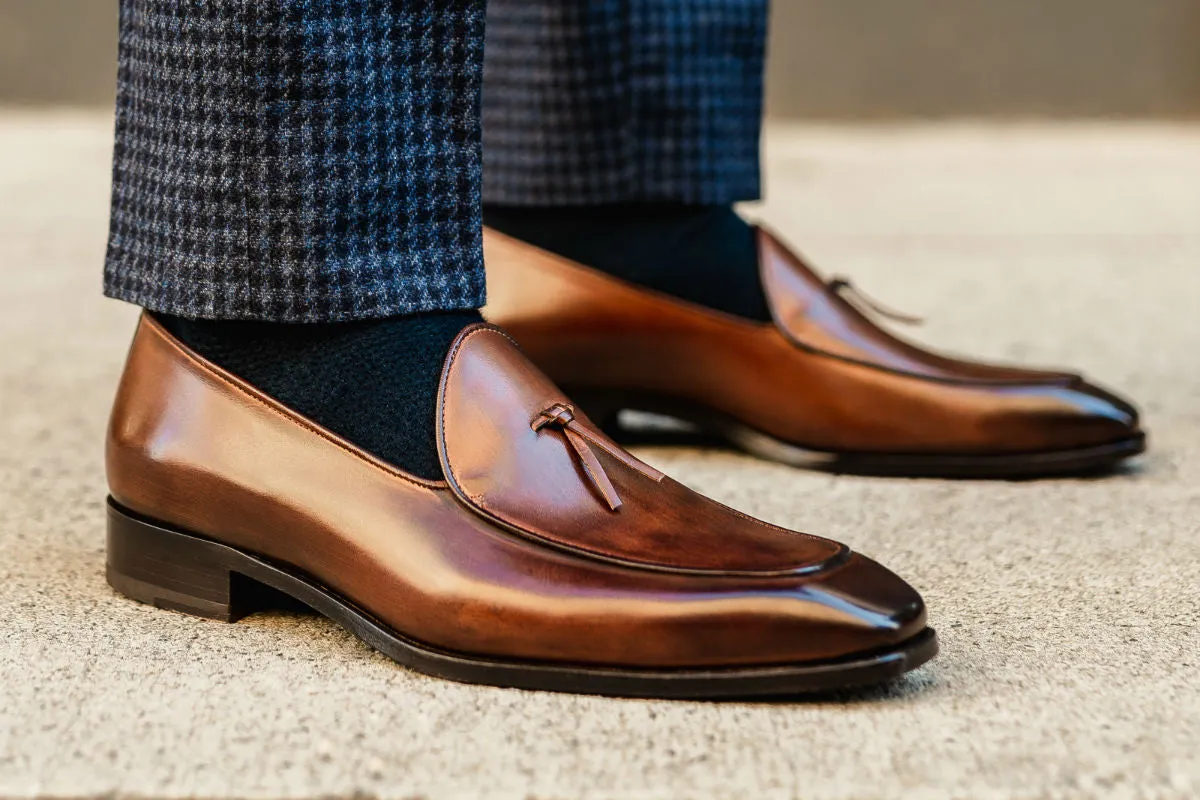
57 51
897 58
831 59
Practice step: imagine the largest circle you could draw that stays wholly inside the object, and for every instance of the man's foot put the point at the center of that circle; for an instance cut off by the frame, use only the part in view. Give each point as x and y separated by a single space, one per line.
542 556
703 254
820 385
374 382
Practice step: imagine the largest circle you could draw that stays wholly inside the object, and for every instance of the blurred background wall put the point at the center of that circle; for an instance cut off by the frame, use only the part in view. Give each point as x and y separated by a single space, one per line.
831 59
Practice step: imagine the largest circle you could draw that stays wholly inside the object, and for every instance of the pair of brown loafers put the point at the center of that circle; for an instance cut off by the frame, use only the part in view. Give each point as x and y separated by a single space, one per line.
548 557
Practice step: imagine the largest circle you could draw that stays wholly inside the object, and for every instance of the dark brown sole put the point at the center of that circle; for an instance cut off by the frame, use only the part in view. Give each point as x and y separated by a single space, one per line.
712 427
173 570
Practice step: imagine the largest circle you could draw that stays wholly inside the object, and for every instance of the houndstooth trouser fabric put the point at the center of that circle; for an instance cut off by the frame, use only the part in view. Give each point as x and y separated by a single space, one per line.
320 160
614 101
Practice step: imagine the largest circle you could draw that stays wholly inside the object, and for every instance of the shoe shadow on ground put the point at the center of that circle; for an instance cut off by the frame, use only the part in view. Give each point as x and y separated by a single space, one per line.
643 429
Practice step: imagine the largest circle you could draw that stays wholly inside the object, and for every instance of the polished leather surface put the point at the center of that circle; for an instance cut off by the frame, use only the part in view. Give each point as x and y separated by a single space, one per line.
522 558
821 375
530 480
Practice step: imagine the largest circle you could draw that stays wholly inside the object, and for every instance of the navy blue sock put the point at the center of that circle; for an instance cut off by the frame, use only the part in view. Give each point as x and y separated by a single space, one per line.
704 254
374 382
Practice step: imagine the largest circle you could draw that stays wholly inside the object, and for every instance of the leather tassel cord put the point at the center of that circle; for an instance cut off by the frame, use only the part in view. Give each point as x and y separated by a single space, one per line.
581 440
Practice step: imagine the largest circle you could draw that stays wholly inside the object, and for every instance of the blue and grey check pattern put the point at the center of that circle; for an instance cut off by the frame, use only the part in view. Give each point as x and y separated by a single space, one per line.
320 160
612 101
298 160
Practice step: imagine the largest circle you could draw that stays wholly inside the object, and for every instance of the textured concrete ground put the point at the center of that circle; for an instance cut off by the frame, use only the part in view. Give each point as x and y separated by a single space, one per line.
1069 609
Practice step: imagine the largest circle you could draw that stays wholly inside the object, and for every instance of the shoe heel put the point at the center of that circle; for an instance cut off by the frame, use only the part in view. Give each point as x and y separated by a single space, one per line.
173 571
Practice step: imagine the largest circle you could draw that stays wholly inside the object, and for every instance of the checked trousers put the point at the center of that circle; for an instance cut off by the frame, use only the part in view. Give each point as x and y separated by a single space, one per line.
327 160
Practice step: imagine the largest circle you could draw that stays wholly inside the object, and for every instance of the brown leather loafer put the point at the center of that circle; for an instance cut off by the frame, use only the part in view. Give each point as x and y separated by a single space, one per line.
821 386
548 557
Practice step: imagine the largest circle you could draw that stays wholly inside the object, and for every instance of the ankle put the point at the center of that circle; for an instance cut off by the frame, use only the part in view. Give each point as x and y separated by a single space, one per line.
372 382
703 254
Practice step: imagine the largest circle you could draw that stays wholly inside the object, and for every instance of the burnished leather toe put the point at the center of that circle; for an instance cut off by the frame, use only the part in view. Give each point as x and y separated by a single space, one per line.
847 609
863 606
1081 415
1120 411
1023 418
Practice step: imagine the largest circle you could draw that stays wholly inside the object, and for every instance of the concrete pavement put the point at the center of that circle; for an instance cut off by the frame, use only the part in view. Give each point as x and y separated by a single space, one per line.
1069 610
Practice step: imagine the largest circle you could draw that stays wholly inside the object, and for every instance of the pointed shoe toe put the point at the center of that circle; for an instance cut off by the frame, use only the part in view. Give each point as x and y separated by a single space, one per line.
886 608
1079 423
1099 417
1118 416
866 608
